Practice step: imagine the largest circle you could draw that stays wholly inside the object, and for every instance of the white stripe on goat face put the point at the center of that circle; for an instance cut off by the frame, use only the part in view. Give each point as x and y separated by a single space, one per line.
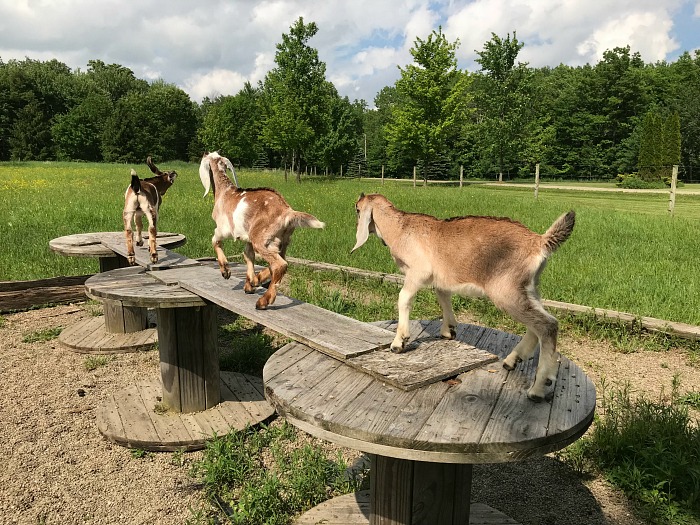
238 218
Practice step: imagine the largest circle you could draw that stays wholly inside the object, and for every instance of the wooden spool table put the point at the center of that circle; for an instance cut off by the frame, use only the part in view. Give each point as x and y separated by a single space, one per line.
423 442
122 328
193 400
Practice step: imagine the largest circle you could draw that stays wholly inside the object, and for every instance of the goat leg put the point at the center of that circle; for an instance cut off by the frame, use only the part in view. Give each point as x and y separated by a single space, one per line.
251 280
221 257
277 268
129 234
153 234
406 295
448 329
524 350
138 219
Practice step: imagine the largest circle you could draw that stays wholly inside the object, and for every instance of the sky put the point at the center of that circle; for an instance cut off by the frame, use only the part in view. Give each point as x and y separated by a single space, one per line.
212 47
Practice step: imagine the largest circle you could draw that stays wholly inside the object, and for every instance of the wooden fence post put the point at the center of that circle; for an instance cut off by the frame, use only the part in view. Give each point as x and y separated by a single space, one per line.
382 174
414 176
537 179
672 196
461 175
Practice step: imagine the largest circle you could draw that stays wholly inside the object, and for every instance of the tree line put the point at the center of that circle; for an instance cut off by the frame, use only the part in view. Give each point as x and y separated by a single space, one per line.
619 116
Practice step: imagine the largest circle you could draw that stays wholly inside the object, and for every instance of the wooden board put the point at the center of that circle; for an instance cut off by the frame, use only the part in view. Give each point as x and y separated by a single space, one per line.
425 361
166 258
333 334
132 417
90 244
353 509
20 295
486 417
89 336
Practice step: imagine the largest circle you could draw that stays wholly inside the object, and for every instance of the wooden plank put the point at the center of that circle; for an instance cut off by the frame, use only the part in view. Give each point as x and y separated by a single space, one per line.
167 349
166 258
424 361
190 366
334 334
574 394
138 428
169 426
248 394
391 481
353 509
288 355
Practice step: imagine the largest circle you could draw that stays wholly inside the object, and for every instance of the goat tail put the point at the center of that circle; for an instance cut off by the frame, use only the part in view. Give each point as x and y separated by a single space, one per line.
135 183
300 219
559 232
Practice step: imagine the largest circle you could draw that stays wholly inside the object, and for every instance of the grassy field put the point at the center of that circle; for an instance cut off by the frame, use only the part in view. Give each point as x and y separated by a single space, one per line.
626 252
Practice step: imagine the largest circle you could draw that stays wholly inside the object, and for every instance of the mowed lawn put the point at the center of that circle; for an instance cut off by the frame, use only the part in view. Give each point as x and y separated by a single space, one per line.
626 253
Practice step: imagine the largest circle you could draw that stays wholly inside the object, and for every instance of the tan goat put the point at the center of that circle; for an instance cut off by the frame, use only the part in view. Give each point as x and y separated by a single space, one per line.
143 197
260 217
472 256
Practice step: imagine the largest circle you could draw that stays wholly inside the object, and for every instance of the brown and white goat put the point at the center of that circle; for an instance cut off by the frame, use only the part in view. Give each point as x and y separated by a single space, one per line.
476 256
260 217
143 197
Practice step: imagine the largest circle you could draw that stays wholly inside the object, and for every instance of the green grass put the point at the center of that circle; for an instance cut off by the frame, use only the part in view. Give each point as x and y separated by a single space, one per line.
42 335
260 476
625 254
648 448
94 362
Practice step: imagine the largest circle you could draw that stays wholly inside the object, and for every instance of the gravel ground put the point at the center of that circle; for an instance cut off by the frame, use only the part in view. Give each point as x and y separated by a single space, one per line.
58 469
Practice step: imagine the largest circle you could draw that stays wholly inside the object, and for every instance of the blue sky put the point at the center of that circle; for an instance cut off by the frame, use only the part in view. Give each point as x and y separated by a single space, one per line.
211 47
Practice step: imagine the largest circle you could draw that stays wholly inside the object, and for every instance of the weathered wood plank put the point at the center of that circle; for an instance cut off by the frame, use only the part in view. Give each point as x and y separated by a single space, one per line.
142 257
353 509
424 361
321 329
20 295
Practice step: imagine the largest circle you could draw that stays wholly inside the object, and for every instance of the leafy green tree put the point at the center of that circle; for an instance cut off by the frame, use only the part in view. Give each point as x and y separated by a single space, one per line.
77 135
296 97
503 101
651 147
340 143
160 122
433 102
671 152
232 125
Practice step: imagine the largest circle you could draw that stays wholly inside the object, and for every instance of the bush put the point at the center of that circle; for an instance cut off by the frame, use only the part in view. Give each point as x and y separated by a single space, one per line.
632 181
651 450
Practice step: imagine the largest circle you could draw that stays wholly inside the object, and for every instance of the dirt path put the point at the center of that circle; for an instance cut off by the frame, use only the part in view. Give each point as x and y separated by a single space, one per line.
58 469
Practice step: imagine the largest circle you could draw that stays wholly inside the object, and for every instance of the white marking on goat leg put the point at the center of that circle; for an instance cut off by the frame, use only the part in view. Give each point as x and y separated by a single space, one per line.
408 292
448 329
525 349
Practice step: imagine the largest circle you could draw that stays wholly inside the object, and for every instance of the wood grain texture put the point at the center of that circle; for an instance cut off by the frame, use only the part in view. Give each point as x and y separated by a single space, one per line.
89 336
90 244
328 332
425 361
485 417
353 509
134 416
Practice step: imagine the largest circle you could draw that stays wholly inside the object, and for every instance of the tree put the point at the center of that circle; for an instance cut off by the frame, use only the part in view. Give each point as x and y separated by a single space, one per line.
296 96
77 134
433 102
231 126
503 100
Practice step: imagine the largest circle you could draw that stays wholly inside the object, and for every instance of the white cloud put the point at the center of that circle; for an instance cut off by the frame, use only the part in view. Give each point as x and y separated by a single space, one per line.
214 46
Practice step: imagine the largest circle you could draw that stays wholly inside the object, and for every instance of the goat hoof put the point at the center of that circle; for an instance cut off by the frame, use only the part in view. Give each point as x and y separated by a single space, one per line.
261 305
397 349
548 382
154 259
226 274
508 366
535 398
132 260
139 243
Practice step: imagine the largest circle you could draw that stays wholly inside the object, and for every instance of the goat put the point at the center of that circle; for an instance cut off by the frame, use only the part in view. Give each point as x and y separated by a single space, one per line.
476 256
260 217
143 197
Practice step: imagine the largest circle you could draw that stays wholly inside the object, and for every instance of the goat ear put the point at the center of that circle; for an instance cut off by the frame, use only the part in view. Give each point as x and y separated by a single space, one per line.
363 222
204 174
233 172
